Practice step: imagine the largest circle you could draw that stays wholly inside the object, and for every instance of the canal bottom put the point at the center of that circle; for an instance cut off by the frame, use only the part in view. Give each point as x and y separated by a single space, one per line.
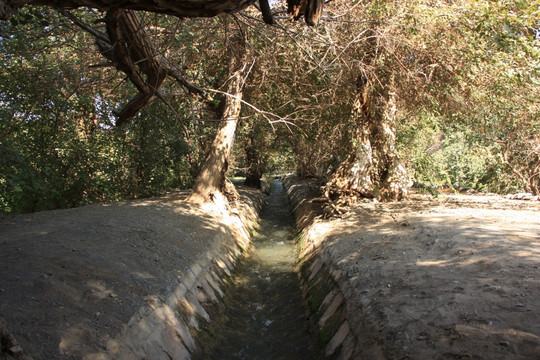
263 315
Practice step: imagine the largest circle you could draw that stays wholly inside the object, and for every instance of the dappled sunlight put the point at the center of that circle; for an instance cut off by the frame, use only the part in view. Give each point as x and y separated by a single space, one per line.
432 263
143 275
70 341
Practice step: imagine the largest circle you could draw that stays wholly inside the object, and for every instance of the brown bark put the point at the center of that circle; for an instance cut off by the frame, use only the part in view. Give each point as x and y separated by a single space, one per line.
128 48
373 168
393 181
310 9
180 8
211 183
254 158
266 12
129 45
353 178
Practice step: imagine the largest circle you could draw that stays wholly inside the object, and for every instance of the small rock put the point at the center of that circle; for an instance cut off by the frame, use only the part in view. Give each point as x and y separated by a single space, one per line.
504 343
15 350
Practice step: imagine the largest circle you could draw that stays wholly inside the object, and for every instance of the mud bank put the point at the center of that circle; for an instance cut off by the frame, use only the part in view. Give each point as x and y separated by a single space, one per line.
455 277
121 281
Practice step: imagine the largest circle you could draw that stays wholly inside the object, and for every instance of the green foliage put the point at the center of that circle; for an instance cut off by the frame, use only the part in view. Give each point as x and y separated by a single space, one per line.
448 154
466 82
59 148
477 125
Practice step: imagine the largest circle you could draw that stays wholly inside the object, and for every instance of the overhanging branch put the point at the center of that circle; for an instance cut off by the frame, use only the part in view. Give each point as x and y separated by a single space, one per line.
128 48
180 8
311 9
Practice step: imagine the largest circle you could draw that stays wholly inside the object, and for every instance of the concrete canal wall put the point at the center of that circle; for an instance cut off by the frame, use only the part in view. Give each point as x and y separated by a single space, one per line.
325 287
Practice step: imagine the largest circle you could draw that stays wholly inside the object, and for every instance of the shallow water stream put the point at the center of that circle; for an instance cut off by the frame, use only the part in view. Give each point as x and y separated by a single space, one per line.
263 316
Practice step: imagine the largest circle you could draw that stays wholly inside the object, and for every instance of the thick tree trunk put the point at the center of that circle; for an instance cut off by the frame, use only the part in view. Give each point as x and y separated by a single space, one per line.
211 183
373 168
393 182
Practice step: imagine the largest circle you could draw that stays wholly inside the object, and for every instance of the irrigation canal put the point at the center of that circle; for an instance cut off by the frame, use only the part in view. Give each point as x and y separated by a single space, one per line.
263 317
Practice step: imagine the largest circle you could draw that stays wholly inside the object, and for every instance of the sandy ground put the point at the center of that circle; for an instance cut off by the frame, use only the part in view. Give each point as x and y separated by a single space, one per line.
70 280
455 277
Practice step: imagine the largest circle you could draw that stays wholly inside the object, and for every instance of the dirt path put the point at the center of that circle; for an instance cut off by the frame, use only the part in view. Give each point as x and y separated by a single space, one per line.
71 280
453 278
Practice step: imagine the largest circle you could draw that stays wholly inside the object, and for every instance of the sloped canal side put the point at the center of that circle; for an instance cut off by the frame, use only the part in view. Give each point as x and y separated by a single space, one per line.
116 281
263 316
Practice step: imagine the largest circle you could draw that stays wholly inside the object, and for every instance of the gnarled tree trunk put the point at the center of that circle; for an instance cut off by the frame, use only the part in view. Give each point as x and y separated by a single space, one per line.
373 168
127 47
211 183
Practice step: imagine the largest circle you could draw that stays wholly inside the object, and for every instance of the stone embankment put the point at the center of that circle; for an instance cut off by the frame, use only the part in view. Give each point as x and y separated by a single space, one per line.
122 281
323 285
452 277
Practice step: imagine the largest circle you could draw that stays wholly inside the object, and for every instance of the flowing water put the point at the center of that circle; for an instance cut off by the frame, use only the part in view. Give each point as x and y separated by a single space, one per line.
263 316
